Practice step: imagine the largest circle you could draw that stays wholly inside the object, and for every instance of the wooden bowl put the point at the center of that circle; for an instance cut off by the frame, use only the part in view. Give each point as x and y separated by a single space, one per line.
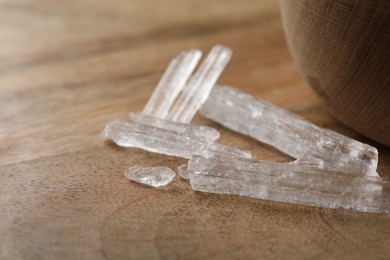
342 48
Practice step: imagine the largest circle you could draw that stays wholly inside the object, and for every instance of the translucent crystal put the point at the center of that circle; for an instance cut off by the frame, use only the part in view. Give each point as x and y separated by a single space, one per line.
200 131
315 163
153 139
228 151
288 132
152 176
151 130
183 171
199 86
290 183
171 138
171 83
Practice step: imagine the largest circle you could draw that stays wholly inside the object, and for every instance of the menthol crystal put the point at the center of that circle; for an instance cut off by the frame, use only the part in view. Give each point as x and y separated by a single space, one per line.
152 176
197 131
199 86
290 183
171 83
288 132
167 137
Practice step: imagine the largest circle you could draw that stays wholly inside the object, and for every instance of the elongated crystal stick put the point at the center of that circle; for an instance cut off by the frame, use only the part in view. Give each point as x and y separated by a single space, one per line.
288 132
315 163
167 140
290 183
153 139
200 131
198 88
171 83
151 176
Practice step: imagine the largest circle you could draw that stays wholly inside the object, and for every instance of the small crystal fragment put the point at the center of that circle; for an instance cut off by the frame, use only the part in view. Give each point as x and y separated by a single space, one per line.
183 171
152 176
199 86
171 83
171 138
290 183
288 132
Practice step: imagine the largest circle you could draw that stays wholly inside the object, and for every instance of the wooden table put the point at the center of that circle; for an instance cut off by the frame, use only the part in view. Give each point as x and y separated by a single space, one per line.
69 67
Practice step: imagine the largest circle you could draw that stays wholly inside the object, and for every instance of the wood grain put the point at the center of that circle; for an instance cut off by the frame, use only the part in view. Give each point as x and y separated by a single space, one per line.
68 67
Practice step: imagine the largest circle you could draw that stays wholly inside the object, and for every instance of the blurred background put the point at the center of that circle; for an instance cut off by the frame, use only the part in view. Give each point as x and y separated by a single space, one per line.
68 67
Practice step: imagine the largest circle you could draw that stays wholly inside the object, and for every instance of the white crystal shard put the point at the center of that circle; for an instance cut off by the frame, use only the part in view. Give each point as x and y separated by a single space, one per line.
288 132
171 83
152 176
290 183
183 171
199 86
170 138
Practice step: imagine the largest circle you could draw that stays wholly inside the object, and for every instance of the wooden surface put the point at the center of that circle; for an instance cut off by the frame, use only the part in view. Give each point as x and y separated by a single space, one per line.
69 67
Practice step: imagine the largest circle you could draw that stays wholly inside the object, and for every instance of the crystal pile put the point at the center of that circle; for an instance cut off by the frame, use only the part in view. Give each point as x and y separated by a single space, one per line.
290 183
288 132
152 176
330 170
163 125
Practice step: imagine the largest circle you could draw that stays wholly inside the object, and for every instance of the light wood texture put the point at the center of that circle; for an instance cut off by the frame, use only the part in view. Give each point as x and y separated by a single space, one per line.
69 67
